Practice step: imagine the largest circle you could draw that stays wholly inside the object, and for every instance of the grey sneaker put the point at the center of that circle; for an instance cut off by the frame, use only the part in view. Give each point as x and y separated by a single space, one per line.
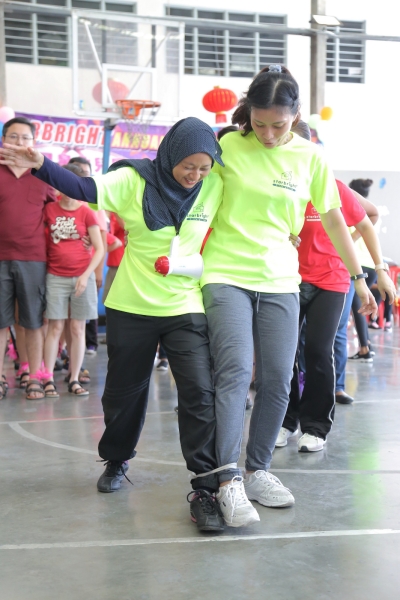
266 489
110 480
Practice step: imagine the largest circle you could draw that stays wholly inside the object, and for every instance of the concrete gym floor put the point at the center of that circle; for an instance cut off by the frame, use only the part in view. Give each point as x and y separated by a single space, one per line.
62 540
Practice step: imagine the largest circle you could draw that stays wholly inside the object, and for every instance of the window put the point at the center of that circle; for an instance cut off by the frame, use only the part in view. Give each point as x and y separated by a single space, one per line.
345 58
225 52
44 39
19 37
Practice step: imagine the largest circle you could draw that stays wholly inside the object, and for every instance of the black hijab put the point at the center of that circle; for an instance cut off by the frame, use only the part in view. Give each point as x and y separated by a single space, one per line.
166 202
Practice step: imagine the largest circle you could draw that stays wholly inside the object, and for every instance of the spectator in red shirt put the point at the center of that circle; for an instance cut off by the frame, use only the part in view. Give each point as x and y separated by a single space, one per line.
23 253
70 282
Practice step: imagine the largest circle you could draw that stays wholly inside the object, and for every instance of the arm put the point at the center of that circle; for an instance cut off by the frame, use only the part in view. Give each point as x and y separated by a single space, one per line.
385 285
370 209
116 244
97 243
336 228
100 267
80 188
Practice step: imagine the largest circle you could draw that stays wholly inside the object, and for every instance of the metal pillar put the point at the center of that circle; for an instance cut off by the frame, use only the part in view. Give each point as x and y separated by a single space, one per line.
109 125
3 89
318 61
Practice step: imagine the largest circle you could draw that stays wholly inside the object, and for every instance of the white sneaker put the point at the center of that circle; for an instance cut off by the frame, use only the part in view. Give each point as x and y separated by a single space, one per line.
283 436
266 489
235 506
310 443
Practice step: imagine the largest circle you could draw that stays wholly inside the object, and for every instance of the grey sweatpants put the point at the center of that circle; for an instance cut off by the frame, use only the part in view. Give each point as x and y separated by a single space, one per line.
239 321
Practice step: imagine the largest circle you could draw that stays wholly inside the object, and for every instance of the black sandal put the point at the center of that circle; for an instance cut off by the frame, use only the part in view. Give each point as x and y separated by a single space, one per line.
34 386
24 382
77 391
84 376
52 393
3 390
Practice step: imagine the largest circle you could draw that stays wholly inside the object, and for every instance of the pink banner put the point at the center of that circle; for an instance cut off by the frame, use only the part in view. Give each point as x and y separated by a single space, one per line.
60 139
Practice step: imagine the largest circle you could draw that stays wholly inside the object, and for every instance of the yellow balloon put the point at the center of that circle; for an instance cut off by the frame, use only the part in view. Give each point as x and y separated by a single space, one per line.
326 113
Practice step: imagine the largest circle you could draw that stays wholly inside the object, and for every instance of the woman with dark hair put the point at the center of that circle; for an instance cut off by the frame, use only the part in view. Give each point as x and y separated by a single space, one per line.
174 195
362 187
250 283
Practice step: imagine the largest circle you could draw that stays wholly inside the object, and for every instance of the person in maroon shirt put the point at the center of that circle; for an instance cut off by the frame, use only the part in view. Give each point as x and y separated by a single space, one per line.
23 253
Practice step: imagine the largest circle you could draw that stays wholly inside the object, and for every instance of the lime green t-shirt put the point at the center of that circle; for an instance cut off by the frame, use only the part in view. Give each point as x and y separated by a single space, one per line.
266 192
137 287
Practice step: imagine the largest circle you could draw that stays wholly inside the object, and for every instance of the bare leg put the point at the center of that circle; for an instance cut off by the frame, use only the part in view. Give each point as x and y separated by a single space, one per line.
34 349
54 332
21 343
3 345
67 334
77 329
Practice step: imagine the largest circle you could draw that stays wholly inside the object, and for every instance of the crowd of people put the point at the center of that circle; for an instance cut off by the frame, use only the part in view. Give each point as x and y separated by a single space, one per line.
263 186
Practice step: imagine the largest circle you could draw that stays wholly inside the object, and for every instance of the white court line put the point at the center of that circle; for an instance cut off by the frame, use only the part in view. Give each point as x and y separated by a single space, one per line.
160 412
337 471
202 540
375 401
18 429
385 346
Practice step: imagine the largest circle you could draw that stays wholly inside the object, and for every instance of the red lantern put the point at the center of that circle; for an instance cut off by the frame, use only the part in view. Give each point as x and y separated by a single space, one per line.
118 90
218 101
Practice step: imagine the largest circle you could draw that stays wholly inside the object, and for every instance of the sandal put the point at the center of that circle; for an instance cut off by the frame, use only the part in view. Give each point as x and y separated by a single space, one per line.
34 386
84 376
3 390
79 391
24 380
5 382
51 393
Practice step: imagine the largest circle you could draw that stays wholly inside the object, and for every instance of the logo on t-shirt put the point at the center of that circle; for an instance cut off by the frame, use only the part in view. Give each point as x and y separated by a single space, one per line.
312 214
197 213
64 229
285 181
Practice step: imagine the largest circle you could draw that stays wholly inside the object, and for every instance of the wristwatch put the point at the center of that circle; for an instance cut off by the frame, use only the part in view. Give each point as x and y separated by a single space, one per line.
383 267
360 276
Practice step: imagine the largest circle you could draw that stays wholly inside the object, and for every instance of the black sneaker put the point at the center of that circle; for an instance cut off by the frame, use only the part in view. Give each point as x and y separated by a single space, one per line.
204 511
366 358
110 480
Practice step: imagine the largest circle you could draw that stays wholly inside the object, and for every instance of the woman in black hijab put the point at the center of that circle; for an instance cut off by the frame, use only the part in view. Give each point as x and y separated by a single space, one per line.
173 195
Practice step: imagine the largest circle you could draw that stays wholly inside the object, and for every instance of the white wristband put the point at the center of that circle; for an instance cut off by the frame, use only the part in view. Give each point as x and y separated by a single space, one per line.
382 266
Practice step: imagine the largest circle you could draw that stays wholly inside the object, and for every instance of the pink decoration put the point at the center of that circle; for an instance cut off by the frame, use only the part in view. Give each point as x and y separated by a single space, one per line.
6 113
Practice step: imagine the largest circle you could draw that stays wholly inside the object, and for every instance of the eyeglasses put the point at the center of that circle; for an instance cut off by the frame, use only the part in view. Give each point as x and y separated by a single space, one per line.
14 137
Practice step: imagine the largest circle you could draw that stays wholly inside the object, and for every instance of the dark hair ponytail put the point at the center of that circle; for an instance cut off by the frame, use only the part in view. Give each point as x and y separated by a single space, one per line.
361 186
271 87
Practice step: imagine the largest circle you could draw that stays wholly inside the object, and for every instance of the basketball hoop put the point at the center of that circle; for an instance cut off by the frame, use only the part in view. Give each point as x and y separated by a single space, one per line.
137 114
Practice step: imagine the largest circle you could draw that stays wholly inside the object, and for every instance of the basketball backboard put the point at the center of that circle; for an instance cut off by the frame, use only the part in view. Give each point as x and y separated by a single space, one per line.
118 56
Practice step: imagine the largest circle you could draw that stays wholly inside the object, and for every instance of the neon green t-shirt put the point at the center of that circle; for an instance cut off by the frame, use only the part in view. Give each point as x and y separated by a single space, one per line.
266 192
137 287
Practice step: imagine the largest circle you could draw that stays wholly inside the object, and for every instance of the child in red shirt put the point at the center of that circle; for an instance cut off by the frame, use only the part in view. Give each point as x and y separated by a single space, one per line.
70 282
